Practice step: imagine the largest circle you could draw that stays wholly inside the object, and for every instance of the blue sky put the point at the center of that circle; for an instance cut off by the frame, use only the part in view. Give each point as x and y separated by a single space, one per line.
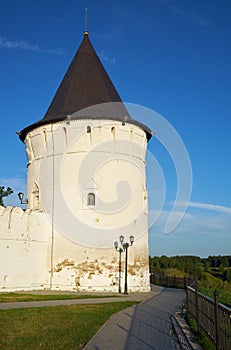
172 57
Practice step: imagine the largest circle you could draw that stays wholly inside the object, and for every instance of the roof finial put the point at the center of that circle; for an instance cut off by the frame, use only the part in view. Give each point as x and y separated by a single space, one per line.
85 24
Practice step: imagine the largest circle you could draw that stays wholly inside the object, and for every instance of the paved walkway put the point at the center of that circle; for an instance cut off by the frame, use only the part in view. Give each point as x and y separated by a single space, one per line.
144 326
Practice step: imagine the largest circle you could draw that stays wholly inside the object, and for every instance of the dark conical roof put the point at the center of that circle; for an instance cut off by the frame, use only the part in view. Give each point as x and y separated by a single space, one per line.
85 84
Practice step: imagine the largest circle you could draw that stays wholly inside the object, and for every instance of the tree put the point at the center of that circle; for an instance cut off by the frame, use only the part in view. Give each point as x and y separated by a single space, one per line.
227 275
4 193
225 261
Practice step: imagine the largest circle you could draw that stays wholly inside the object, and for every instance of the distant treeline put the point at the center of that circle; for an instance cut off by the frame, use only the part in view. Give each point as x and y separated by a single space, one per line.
191 265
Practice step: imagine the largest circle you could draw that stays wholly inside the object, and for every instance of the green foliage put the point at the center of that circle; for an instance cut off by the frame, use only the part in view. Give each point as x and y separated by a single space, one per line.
219 261
193 266
4 193
227 275
174 272
189 265
204 341
212 272
209 281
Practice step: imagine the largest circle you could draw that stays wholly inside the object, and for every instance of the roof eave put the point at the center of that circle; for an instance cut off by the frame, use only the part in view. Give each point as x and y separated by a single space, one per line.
42 122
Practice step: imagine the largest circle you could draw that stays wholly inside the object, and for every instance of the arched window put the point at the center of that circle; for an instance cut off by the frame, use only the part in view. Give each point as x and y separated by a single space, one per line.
90 199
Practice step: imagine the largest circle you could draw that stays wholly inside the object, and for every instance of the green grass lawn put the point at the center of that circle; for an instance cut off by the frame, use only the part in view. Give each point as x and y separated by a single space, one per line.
13 297
224 294
54 328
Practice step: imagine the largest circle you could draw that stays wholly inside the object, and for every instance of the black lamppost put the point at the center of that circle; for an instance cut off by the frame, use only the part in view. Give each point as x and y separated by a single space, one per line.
120 250
20 196
125 246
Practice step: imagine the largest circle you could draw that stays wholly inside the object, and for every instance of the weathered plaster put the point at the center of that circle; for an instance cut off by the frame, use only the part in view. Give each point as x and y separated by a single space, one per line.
35 254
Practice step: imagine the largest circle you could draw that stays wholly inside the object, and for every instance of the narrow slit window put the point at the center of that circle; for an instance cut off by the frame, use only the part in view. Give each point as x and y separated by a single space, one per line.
91 199
35 197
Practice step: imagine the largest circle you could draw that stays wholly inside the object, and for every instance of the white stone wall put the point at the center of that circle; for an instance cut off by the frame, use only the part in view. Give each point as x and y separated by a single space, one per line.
25 249
60 241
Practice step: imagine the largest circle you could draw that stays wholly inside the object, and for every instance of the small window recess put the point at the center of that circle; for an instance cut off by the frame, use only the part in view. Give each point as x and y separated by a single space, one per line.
35 197
91 199
65 135
45 138
113 132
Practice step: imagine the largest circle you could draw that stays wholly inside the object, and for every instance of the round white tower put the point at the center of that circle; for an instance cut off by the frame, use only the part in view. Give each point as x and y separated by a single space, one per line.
86 173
